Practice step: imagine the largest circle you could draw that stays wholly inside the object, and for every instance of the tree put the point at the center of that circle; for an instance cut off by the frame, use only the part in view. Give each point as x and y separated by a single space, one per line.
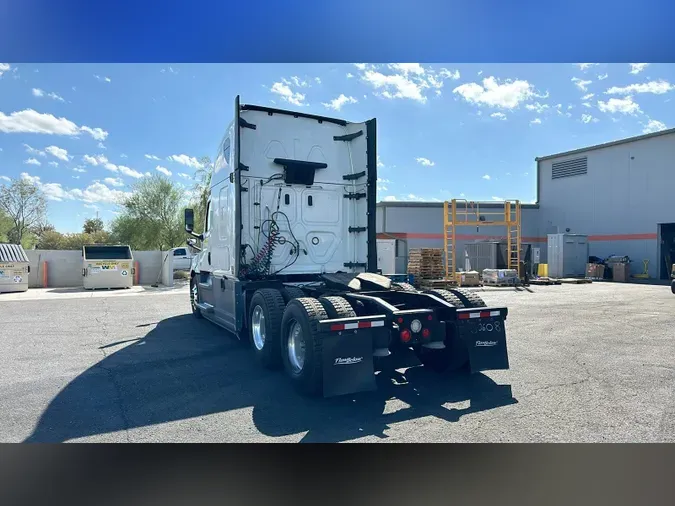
92 225
25 205
202 191
152 216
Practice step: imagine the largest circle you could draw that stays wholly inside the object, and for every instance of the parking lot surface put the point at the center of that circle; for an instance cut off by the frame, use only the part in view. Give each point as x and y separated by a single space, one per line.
589 363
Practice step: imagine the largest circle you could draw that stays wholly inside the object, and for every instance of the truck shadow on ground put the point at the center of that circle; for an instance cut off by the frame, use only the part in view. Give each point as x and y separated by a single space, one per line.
185 369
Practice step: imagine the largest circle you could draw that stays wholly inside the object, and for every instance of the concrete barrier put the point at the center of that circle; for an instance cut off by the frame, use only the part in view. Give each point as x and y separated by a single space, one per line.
64 267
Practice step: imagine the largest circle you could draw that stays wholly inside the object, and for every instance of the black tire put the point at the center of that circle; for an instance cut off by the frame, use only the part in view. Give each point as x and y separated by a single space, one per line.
447 296
455 355
469 299
271 303
194 298
337 307
307 312
291 292
672 286
405 287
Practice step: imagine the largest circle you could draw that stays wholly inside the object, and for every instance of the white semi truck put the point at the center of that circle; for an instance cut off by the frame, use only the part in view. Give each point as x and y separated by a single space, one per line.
288 260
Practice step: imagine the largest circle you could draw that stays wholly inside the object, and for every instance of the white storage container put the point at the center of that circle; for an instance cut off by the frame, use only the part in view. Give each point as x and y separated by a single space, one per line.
14 268
567 255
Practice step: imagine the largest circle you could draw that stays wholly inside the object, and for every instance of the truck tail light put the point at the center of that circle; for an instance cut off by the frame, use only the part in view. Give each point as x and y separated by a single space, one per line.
426 333
405 335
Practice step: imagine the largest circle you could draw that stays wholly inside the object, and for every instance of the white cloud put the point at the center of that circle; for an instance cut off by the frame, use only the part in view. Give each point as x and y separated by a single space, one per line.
508 95
587 104
389 198
170 70
317 80
587 118
379 162
407 68
536 121
113 181
582 84
349 75
425 161
54 164
53 191
337 103
449 74
91 206
602 77
486 176
287 94
57 152
34 151
185 160
360 66
100 145
297 81
636 68
184 175
4 178
79 169
655 87
381 180
498 115
152 157
104 79
32 161
498 199
123 156
163 170
100 193
37 92
55 96
619 105
588 97
537 107
95 160
127 171
585 66
653 126
404 80
4 67
30 121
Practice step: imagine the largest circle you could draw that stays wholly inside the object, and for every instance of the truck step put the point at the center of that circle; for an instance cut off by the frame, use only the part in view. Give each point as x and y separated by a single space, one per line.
205 306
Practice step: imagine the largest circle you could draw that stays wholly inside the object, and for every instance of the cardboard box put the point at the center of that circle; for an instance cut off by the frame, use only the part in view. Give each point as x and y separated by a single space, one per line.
595 271
470 278
621 272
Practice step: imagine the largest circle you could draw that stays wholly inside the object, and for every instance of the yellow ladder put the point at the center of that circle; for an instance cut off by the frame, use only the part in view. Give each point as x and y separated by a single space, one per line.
513 237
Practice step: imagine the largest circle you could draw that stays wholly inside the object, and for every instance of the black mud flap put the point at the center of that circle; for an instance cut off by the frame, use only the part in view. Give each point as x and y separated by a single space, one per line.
485 338
348 363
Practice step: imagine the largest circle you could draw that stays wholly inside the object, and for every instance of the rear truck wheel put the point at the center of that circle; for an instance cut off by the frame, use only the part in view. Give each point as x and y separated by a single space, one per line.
672 286
194 298
455 355
447 296
291 292
405 287
301 350
265 313
337 307
468 298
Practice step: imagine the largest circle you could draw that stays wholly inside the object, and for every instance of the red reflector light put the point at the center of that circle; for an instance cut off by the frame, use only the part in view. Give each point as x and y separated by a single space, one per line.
426 333
430 317
338 326
405 336
364 325
400 320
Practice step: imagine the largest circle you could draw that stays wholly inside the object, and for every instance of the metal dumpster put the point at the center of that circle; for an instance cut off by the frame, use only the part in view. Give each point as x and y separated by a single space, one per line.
14 268
107 266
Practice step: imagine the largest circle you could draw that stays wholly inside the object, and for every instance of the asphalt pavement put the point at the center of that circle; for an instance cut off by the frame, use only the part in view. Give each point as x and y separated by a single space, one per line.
589 363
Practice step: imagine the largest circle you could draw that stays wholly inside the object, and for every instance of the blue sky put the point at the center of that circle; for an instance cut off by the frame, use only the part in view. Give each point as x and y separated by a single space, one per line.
86 132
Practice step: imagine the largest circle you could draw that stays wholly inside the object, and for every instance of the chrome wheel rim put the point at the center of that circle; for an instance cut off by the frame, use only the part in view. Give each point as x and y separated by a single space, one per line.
296 347
258 327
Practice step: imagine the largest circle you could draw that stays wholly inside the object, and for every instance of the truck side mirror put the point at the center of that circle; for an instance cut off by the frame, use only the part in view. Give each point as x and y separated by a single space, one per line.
189 220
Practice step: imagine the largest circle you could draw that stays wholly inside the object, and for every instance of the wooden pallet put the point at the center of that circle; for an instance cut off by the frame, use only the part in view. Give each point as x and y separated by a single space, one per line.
497 282
542 282
574 281
430 284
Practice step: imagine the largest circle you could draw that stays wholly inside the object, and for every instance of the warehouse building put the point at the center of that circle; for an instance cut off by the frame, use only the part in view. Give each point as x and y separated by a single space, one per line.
620 194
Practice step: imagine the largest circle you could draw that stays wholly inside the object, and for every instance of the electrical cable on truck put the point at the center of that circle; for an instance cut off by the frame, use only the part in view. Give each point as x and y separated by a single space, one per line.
288 261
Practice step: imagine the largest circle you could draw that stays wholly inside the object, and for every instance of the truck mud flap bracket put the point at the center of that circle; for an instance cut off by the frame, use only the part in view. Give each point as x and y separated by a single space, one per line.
484 334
